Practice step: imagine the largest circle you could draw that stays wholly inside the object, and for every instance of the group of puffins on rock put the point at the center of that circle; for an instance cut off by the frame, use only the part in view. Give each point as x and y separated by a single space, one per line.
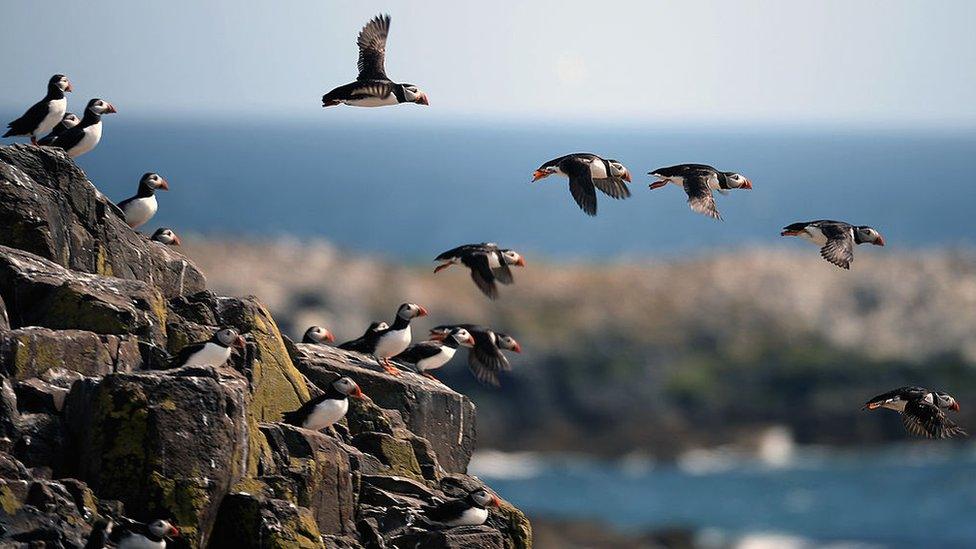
48 123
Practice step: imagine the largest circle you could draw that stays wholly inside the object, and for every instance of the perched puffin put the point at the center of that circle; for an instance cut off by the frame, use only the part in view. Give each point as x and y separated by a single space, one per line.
396 338
213 352
586 171
836 238
326 409
471 510
68 121
99 535
431 355
366 342
44 115
372 88
922 411
698 181
86 135
140 208
487 263
317 334
485 358
136 535
166 236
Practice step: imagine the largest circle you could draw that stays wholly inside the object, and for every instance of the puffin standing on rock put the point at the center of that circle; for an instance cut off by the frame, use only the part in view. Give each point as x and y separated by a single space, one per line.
487 263
68 121
395 339
166 236
836 238
372 87
485 358
317 334
44 115
366 342
922 411
136 535
213 352
142 207
698 181
471 510
86 135
326 409
431 355
587 172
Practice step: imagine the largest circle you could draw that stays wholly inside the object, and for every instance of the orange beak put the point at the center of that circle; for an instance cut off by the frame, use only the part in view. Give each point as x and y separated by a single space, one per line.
495 501
879 241
789 233
470 340
539 174
357 393
747 185
517 348
954 407
422 100
176 241
658 184
329 336
110 109
69 88
239 342
627 177
871 406
437 336
173 531
423 311
164 185
520 262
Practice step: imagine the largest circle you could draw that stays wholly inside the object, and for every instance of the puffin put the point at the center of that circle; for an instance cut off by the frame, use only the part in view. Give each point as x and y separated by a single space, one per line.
372 87
327 408
587 172
213 352
44 115
485 358
922 411
140 208
99 535
68 121
166 236
395 339
366 342
317 334
431 355
836 238
85 136
471 510
487 263
136 535
698 181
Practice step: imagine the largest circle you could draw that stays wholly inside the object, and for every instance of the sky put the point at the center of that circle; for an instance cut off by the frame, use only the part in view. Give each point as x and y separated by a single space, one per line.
827 62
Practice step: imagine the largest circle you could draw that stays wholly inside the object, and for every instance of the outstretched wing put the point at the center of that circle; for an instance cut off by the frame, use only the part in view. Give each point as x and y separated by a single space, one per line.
700 197
839 248
927 420
613 187
580 184
485 360
372 48
502 272
481 274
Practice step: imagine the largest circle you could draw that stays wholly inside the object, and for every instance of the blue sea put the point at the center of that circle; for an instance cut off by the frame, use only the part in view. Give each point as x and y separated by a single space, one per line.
409 189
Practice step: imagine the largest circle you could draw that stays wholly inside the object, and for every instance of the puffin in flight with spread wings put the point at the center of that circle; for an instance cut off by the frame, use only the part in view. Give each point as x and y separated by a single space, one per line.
922 411
588 172
372 87
485 358
698 181
487 263
836 238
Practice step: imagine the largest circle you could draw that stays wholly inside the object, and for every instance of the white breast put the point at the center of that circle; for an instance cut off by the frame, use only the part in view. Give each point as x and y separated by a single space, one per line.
493 261
437 360
471 517
55 113
815 235
136 541
373 101
326 413
598 170
393 343
211 355
92 135
140 210
713 182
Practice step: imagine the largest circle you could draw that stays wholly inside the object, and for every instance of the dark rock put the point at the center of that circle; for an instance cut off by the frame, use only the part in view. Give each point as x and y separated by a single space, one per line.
49 208
247 521
36 395
41 441
31 352
464 537
397 454
4 320
9 415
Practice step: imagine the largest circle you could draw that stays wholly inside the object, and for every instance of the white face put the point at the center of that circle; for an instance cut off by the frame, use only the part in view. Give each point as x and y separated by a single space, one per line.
70 120
618 170
945 400
413 93
165 236
227 336
410 310
867 234
63 83
160 528
736 180
318 333
506 342
344 385
462 336
512 258
380 326
481 497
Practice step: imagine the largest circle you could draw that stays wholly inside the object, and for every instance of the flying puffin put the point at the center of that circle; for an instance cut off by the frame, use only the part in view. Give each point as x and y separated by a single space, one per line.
69 120
485 358
326 409
698 181
471 510
140 208
922 411
136 535
317 334
166 236
366 342
86 135
396 338
213 352
585 172
99 536
372 88
836 238
487 263
46 113
431 355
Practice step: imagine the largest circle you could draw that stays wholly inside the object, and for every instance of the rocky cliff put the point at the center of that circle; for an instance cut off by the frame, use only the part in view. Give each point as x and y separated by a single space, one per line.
94 424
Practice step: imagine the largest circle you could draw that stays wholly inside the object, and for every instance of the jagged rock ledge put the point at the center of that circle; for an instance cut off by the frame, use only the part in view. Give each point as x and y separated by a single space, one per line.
94 424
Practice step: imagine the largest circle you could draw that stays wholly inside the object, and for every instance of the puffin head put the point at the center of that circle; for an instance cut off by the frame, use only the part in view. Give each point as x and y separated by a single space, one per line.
945 400
738 181
409 311
100 106
377 326
161 528
60 82
318 334
166 236
507 342
619 170
228 337
70 120
348 387
512 257
544 171
153 181
413 94
865 234
482 498
462 337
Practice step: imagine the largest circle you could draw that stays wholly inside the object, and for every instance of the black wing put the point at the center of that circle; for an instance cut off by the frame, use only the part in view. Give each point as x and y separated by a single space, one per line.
580 183
419 351
126 202
839 248
124 530
365 343
372 48
186 352
613 187
466 249
485 360
903 393
927 420
69 138
297 417
29 121
502 273
446 511
700 197
49 138
481 274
